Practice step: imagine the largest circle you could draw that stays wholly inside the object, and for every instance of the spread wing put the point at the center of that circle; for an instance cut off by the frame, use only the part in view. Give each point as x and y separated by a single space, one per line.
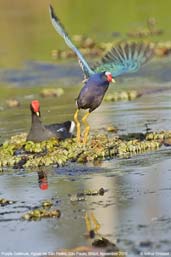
61 31
125 58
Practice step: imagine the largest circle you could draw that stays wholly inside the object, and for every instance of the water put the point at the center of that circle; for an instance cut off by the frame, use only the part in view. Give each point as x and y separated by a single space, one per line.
26 32
136 206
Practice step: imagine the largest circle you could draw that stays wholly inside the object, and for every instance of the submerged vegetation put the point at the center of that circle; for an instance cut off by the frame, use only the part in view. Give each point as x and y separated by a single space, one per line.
18 153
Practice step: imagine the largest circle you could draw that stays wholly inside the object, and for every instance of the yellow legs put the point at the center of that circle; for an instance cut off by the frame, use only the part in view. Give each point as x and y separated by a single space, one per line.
89 220
87 127
77 125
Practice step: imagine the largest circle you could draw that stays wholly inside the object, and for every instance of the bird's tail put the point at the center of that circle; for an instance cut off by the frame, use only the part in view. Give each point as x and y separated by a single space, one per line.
62 32
69 126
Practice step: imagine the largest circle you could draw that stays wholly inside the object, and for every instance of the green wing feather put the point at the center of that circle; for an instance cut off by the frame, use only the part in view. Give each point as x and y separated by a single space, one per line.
125 58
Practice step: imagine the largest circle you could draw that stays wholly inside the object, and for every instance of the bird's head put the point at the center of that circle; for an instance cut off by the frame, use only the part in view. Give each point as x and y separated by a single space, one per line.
108 76
35 107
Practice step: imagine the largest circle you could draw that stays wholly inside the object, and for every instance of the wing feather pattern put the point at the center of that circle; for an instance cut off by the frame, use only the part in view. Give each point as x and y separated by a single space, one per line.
125 58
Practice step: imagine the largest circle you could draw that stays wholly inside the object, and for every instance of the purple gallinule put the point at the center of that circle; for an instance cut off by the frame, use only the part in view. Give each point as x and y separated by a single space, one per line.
40 132
123 58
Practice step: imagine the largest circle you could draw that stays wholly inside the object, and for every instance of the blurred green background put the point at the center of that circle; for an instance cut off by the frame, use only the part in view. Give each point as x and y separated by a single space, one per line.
27 34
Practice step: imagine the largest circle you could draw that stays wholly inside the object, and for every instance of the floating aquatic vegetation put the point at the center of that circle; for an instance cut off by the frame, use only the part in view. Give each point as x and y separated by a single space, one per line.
41 147
82 196
55 92
90 48
8 151
86 45
77 198
46 210
135 146
65 54
162 49
16 140
167 141
111 129
83 41
18 153
101 192
47 204
158 135
12 103
150 30
40 213
4 202
122 96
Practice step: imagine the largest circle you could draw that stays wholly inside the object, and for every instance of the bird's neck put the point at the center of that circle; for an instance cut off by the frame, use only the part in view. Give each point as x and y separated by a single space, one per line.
104 84
36 122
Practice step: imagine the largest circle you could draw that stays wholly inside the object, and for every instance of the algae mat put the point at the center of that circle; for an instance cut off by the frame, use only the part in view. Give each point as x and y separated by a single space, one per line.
18 153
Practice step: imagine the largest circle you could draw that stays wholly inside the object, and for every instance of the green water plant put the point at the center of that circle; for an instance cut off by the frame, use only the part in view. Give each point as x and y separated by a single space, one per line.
122 96
46 210
4 202
18 153
40 213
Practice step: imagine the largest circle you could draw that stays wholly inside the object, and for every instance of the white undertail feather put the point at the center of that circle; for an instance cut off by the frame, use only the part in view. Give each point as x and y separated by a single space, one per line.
72 127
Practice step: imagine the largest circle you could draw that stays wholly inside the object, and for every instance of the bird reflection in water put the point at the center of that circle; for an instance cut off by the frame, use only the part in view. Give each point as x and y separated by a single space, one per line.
42 180
99 245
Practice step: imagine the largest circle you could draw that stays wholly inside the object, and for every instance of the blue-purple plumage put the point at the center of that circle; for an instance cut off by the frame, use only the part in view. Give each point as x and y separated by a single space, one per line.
91 95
